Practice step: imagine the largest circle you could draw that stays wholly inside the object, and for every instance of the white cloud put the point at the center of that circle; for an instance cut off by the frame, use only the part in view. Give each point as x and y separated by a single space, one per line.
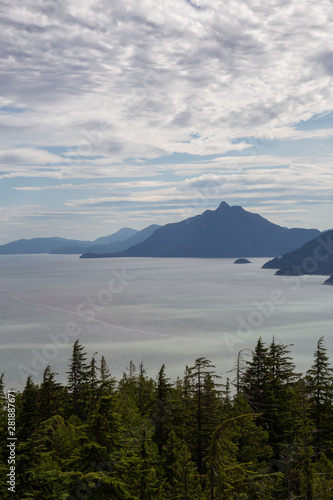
156 72
116 84
97 186
299 180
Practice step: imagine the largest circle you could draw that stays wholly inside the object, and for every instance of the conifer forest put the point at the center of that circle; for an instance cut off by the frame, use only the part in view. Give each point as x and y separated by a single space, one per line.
266 433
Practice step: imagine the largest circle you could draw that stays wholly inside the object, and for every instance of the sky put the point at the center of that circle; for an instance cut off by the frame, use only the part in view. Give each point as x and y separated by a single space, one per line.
125 113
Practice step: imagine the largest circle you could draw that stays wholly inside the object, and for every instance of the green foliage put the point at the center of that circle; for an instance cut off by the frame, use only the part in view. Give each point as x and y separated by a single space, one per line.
79 376
137 388
319 386
204 395
270 384
183 481
237 460
143 439
28 418
162 410
51 396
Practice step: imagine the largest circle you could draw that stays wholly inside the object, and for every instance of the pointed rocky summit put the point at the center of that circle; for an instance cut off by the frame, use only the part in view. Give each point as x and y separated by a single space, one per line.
224 232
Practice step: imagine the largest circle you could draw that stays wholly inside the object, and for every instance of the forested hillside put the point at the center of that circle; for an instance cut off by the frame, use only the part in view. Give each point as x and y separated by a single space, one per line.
267 435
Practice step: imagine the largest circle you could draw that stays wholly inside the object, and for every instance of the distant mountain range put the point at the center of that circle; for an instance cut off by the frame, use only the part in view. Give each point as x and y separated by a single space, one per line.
63 245
113 241
96 251
121 235
224 232
314 257
116 242
39 245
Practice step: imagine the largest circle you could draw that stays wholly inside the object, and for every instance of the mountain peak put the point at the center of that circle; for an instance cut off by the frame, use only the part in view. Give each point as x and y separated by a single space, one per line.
223 207
224 232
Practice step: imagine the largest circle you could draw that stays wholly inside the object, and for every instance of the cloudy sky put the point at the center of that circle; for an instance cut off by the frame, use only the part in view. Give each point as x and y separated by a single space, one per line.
126 113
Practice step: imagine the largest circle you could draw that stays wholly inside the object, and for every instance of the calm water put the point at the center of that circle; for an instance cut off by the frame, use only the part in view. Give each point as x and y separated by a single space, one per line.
157 310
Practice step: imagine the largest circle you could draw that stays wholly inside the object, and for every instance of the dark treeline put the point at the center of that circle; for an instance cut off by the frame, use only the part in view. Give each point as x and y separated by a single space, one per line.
142 439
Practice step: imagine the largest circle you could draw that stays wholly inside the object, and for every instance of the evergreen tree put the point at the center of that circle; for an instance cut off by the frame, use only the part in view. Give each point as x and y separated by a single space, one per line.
281 365
99 455
228 475
281 396
302 471
42 461
93 377
106 382
270 384
183 414
145 392
254 382
28 414
183 480
138 388
202 373
147 440
323 478
78 381
161 414
151 485
50 396
320 389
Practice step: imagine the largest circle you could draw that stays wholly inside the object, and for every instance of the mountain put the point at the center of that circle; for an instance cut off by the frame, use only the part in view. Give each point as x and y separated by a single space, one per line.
39 245
57 245
96 251
224 232
315 257
121 235
114 239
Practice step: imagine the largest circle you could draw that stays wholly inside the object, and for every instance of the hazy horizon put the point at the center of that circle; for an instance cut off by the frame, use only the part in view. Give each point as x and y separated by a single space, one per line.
138 228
